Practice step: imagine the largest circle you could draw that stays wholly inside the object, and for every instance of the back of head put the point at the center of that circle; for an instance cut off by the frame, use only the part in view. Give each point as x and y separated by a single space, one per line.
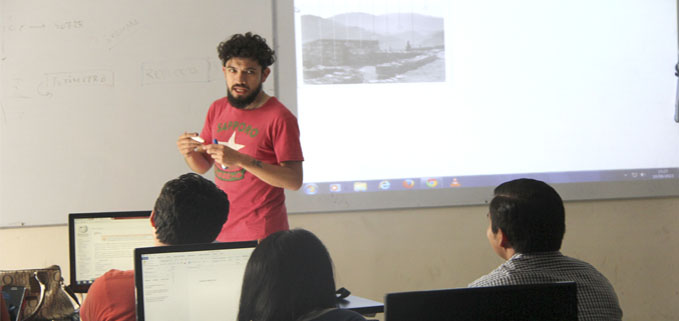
246 45
531 215
288 275
190 209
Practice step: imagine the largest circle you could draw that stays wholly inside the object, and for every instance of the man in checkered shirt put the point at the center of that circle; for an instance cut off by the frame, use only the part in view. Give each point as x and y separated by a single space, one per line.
527 224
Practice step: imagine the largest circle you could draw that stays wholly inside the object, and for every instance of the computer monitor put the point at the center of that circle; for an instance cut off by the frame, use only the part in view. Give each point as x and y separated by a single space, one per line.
545 302
190 282
99 242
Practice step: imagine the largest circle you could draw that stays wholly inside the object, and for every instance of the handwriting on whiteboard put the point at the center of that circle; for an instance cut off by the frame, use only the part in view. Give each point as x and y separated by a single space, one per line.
180 71
120 32
61 80
56 25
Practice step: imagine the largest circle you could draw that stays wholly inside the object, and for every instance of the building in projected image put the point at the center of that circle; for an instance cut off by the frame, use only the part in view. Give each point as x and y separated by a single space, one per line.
355 48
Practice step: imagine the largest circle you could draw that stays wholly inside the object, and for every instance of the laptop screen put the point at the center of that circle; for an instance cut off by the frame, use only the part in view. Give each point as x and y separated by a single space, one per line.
190 282
99 242
546 302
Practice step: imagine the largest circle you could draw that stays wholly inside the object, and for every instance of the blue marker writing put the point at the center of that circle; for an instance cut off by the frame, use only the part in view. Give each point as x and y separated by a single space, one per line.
215 141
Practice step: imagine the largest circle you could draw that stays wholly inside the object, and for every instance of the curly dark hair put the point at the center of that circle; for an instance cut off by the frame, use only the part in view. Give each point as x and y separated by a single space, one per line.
246 45
190 209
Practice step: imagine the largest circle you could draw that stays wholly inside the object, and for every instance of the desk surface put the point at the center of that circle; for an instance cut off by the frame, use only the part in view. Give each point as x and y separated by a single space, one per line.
361 305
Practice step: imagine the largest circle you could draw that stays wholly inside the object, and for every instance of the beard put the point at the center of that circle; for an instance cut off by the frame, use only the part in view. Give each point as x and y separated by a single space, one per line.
243 102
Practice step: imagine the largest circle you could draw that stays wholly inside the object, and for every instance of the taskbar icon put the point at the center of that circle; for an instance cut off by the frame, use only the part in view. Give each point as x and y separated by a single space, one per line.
311 189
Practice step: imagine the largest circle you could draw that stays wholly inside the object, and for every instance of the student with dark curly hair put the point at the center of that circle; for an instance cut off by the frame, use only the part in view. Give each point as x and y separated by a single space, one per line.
289 277
190 209
252 142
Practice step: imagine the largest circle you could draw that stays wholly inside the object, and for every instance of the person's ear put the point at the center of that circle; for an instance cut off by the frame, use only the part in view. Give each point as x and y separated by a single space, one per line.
152 218
502 239
265 73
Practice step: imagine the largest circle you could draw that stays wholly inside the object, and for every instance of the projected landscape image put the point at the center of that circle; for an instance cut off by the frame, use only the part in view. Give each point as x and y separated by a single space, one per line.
354 48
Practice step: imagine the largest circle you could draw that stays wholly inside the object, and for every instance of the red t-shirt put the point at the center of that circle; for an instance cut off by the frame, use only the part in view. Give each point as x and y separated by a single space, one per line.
269 134
110 298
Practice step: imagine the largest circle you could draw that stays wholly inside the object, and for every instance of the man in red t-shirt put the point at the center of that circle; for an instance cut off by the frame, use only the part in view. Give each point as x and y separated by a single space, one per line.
251 140
190 209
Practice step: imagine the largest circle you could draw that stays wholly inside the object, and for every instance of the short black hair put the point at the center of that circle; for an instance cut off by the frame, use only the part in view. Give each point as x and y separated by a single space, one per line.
288 275
190 209
531 215
246 45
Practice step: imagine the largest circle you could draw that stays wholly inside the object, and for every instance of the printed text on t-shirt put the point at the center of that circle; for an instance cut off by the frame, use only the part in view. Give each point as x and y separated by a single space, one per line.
241 127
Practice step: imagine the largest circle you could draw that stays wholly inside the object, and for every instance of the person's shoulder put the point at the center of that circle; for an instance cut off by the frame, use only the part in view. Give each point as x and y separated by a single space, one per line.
578 263
118 274
113 278
574 260
499 276
276 106
218 105
585 268
491 279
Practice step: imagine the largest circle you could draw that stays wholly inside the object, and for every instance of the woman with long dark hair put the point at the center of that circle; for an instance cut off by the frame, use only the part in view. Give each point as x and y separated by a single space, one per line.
289 277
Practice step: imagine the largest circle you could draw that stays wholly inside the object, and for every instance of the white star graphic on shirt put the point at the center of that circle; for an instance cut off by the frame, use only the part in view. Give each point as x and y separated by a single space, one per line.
232 143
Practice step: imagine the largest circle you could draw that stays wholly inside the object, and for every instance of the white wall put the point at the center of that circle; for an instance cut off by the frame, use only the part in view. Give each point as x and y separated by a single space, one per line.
633 242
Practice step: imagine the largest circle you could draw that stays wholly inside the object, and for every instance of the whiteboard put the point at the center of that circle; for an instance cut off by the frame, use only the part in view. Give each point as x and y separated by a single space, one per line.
95 93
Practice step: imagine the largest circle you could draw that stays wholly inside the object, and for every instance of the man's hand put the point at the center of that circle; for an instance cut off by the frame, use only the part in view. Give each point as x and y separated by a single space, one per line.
225 155
194 153
286 175
186 145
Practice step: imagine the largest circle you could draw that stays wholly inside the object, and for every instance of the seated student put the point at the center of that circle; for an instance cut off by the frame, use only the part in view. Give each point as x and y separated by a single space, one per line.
289 277
190 209
527 224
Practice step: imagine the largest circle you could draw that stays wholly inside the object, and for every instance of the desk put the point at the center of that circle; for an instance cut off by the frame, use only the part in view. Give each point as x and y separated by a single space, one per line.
361 305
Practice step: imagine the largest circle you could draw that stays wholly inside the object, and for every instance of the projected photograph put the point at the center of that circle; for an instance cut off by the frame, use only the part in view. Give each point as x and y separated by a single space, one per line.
362 47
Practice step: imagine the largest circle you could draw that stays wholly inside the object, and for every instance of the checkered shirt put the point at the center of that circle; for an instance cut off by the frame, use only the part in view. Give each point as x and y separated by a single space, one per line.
597 300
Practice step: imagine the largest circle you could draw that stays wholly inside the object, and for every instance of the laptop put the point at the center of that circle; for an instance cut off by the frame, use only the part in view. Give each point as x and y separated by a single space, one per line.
190 282
545 302
99 242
